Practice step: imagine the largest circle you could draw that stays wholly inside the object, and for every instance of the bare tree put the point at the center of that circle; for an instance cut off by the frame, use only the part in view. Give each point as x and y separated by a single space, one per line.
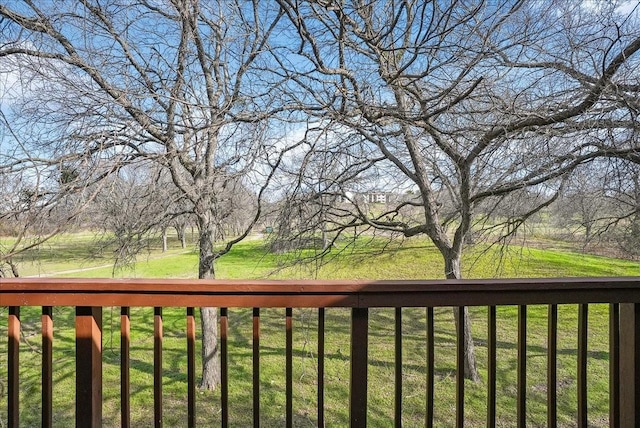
40 197
600 204
583 206
620 223
465 103
183 84
630 199
132 209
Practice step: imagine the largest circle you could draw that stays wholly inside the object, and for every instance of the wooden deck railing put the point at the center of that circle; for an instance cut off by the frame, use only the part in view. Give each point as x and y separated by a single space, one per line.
89 296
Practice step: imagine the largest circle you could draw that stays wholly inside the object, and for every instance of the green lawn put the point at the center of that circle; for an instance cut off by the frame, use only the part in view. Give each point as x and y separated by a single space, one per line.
77 256
410 259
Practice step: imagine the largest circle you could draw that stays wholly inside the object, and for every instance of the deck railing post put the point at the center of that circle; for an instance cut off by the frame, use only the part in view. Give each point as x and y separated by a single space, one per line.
88 366
47 366
13 360
359 362
125 367
629 364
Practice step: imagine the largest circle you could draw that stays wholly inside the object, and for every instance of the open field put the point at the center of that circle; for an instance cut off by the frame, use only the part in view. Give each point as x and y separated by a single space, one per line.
77 256
410 259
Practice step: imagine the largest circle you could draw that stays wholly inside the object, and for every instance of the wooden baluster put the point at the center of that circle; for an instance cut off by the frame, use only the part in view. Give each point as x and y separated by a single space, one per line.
430 368
191 368
125 365
224 369
359 362
460 335
256 367
583 314
88 366
289 367
491 366
47 366
398 369
157 366
13 387
522 367
552 366
321 317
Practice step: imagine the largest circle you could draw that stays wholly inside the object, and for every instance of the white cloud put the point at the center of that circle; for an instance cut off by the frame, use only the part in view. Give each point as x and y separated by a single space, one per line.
627 8
10 82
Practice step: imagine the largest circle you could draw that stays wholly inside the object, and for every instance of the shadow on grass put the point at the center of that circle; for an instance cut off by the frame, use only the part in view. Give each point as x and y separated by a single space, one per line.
272 382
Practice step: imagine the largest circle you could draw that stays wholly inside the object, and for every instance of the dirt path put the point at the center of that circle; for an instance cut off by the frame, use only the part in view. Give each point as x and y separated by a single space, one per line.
87 269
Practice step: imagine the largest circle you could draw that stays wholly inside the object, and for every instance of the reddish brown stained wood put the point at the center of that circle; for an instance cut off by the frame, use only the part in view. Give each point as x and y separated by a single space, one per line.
256 367
460 341
321 316
491 366
398 369
522 367
552 366
224 369
225 286
357 299
13 360
358 295
430 368
191 368
614 365
141 299
359 366
227 293
47 366
125 365
289 367
583 313
88 366
629 365
157 367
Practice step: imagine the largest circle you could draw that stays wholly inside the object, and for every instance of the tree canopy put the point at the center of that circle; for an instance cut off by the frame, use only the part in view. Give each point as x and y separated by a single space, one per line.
465 108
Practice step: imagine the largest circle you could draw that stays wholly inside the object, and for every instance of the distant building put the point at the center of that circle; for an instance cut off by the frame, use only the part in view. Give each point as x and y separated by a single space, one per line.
377 197
373 197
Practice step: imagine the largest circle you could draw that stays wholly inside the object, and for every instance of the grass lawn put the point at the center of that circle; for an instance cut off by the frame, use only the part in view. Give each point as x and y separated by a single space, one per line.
410 259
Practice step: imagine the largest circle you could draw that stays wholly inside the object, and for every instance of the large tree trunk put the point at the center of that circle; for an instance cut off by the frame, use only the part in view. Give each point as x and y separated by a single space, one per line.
210 352
208 316
164 240
452 271
182 235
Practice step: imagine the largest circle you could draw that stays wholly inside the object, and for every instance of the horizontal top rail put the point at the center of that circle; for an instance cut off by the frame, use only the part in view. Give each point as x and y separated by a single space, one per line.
314 293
